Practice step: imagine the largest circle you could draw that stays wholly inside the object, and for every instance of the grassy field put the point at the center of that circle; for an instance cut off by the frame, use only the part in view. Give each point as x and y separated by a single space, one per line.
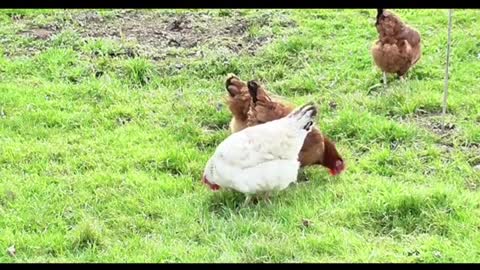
108 117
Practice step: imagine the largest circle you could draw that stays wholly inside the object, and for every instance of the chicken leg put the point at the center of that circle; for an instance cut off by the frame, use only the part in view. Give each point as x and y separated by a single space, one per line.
266 197
384 79
248 198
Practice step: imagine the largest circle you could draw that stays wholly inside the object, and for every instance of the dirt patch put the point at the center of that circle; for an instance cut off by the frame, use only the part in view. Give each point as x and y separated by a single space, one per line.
442 128
39 33
434 122
159 35
31 28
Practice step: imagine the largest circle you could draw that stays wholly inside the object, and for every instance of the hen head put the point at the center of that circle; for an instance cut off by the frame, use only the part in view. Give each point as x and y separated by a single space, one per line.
209 184
239 98
332 159
207 174
387 23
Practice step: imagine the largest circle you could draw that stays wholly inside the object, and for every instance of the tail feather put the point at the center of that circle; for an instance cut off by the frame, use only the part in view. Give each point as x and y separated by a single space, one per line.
305 115
253 89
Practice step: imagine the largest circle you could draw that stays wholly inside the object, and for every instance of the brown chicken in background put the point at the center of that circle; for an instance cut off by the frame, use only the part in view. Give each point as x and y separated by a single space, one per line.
316 150
238 102
398 47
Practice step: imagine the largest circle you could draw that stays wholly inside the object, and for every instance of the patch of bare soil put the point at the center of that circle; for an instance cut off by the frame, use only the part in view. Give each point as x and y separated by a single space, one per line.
434 122
40 33
159 34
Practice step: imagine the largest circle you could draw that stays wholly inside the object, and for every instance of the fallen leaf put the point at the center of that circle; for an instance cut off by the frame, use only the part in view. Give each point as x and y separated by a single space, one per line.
11 251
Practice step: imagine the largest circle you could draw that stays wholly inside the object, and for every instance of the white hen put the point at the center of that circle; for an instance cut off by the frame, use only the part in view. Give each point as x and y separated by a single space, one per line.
261 158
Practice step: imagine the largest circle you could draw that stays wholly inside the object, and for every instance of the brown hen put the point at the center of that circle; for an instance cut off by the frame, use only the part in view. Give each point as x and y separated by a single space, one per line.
398 47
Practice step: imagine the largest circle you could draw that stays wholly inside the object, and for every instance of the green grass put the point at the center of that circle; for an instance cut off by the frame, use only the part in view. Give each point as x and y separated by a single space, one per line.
102 147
